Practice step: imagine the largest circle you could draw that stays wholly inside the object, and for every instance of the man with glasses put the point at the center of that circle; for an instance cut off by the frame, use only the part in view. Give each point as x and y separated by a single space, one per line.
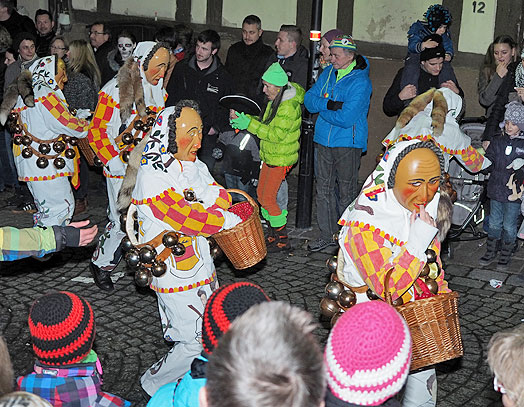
45 31
100 37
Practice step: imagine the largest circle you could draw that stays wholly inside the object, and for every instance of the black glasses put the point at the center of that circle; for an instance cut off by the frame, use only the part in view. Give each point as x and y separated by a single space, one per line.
57 48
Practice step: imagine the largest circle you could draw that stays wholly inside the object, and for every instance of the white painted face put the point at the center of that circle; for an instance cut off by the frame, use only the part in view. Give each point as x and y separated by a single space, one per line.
125 47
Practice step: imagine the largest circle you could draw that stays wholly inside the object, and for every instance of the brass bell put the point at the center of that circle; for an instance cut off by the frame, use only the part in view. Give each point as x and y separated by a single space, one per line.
425 270
133 258
328 307
27 152
125 156
432 285
59 163
146 128
158 268
331 264
59 146
44 148
136 141
26 140
126 244
397 302
431 256
333 289
178 249
371 294
42 162
347 298
73 141
13 116
123 220
147 254
138 125
18 128
335 236
70 153
97 161
170 239
215 252
67 139
17 140
150 121
335 318
189 195
143 277
149 111
127 138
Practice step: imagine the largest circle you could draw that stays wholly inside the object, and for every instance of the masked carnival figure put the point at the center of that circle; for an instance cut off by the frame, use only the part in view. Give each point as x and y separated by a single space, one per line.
45 138
126 110
178 205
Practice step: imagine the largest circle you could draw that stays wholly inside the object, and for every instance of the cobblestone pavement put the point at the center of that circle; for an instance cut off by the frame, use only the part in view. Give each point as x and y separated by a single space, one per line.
129 336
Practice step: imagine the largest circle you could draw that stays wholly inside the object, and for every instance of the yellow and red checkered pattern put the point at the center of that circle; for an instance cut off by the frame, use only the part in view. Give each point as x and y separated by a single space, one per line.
472 159
373 260
60 112
97 133
191 219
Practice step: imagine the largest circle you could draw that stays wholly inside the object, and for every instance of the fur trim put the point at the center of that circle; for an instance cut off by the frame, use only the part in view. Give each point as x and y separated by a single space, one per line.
130 90
417 105
438 114
444 212
23 87
128 185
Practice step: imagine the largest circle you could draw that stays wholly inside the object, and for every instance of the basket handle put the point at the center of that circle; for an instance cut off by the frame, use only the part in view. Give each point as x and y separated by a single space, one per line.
245 195
387 293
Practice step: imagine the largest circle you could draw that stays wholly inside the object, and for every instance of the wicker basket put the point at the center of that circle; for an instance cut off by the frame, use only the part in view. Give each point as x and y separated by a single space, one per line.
434 327
244 245
87 151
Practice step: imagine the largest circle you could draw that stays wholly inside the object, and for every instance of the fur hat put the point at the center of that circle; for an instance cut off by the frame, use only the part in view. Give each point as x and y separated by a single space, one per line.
368 354
224 305
515 114
62 327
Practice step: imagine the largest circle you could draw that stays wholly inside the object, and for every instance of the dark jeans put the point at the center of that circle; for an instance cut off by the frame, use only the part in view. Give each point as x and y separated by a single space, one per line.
9 175
336 165
503 220
234 182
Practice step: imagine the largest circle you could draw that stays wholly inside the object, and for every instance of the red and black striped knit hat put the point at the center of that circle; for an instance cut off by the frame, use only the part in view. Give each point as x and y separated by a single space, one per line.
62 326
224 305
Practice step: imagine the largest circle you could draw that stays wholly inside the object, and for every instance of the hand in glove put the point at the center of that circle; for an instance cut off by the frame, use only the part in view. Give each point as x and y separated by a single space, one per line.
516 164
75 235
230 219
241 122
332 105
83 113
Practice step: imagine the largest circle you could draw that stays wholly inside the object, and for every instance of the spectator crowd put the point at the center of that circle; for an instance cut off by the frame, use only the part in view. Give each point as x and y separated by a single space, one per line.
162 124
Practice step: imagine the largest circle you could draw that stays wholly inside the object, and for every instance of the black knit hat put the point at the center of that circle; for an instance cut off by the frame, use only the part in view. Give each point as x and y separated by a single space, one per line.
436 52
62 326
224 305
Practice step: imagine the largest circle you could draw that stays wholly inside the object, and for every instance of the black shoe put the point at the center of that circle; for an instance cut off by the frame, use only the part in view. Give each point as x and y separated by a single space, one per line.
102 278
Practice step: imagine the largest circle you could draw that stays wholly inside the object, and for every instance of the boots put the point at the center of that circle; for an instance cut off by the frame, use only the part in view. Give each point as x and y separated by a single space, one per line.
491 252
505 253
277 240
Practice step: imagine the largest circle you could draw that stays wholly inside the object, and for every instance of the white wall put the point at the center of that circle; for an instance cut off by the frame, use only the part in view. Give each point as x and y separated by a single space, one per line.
141 8
31 6
272 12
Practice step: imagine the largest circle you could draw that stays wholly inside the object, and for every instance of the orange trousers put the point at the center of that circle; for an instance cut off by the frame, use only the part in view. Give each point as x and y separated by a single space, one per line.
268 184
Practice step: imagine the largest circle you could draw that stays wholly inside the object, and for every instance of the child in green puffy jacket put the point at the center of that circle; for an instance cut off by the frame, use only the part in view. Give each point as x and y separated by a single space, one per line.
278 129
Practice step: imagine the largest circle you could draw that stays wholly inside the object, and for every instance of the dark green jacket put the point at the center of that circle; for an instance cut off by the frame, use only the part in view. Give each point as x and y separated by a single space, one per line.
279 139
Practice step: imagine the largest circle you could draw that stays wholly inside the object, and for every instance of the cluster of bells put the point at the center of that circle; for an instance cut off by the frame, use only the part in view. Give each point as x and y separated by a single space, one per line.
144 260
338 298
140 126
58 147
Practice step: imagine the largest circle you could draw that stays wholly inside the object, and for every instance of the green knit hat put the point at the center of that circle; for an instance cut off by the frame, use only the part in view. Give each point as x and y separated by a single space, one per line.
275 75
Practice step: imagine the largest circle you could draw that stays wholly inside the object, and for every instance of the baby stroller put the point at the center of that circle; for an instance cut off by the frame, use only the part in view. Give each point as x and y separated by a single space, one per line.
468 210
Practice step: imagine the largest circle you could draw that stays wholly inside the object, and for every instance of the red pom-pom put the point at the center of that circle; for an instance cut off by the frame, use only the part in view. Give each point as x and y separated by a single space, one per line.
243 209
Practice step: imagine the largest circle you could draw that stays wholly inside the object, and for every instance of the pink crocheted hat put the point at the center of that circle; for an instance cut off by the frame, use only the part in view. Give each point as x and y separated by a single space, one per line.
368 354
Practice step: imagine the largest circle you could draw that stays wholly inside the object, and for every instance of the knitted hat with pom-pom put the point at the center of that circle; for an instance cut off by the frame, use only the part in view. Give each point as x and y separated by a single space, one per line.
62 327
368 354
224 305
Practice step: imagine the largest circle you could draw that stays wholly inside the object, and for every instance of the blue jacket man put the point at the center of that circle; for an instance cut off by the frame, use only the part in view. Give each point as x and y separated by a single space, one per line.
341 98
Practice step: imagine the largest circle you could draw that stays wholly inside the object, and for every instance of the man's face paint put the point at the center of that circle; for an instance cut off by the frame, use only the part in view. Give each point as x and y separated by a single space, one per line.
61 75
125 47
417 179
188 134
157 66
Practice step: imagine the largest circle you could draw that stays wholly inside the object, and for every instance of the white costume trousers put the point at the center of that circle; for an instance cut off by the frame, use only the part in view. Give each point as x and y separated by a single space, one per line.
54 201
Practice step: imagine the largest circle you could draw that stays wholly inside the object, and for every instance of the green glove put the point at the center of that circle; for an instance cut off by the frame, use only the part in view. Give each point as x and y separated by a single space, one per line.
241 122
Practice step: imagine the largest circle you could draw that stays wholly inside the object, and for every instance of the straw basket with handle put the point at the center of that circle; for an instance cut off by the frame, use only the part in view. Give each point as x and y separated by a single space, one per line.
434 327
244 244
